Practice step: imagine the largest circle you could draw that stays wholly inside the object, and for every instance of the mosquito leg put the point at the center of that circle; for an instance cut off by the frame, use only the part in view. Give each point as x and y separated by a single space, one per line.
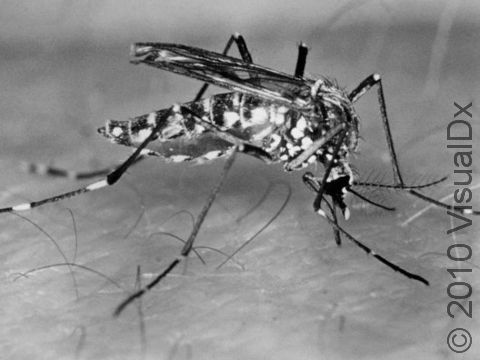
373 253
461 209
244 54
358 92
317 144
238 145
109 180
43 169
189 243
247 57
371 202
48 170
321 190
336 232
244 147
310 181
301 60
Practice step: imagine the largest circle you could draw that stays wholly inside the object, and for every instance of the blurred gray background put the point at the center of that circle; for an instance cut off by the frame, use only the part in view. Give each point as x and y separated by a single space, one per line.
292 293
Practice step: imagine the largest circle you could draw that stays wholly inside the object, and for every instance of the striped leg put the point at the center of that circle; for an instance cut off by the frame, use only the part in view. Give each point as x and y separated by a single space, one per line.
336 194
48 170
187 248
356 94
374 254
237 145
109 180
321 187
112 175
53 171
315 186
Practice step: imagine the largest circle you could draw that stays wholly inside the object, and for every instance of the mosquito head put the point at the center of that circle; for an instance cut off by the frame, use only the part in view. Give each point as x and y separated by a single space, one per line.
328 92
338 189
337 186
315 88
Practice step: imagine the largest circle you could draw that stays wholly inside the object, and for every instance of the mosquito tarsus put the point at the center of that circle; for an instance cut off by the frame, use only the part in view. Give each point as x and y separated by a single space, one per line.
269 115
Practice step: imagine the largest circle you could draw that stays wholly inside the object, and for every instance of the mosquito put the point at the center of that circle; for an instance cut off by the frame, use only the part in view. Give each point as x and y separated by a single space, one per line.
270 115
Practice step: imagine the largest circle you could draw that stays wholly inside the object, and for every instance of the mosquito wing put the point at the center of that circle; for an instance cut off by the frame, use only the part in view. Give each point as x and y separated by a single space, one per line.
225 71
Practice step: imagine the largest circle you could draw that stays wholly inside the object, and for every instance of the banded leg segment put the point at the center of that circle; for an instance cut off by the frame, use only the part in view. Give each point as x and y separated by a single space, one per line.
335 189
238 145
109 180
314 185
187 248
48 170
369 251
53 171
356 94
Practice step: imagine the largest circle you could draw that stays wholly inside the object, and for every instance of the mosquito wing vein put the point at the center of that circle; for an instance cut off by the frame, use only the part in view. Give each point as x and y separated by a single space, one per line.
226 72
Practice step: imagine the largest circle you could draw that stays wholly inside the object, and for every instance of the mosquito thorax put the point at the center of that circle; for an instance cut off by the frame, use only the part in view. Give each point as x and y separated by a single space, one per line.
331 107
270 115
